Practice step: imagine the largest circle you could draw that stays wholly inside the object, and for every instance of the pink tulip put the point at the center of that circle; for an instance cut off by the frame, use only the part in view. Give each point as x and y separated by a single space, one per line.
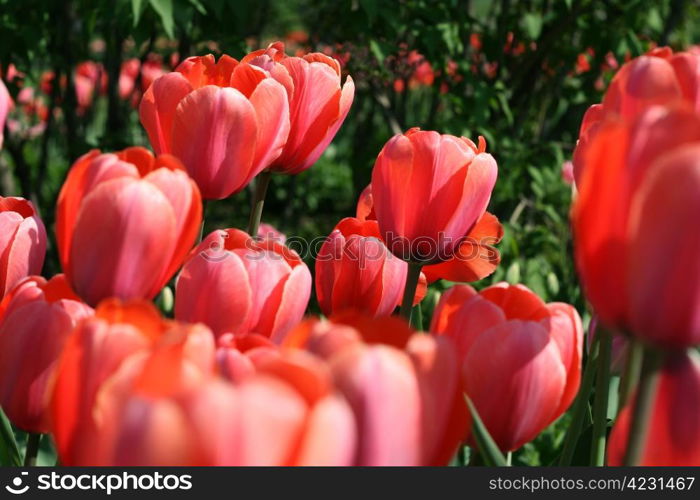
638 196
660 77
428 191
521 357
226 121
673 436
148 205
124 342
355 270
318 104
35 320
22 242
287 413
404 388
235 284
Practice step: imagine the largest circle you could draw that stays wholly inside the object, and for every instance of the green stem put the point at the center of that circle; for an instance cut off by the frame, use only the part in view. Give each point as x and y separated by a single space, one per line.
417 318
261 183
630 377
488 449
600 403
643 405
32 451
581 408
409 291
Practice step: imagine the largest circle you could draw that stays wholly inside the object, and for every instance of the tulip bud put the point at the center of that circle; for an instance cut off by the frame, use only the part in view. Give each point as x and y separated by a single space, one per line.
235 284
637 262
36 318
22 242
521 358
318 104
226 121
149 205
429 190
354 270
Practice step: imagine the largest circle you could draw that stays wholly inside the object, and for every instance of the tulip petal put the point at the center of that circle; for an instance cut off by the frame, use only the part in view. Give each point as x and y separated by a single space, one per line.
158 108
214 135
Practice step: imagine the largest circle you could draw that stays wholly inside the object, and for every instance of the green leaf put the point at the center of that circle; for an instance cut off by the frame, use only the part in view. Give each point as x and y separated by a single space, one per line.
513 273
136 10
9 452
198 5
533 25
164 8
487 446
376 51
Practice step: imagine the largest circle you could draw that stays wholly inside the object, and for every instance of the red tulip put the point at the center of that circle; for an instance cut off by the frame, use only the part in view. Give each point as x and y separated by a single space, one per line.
636 258
354 270
128 74
235 284
5 107
22 242
404 388
318 104
429 190
659 77
35 320
149 206
287 413
474 259
521 358
225 120
673 436
99 355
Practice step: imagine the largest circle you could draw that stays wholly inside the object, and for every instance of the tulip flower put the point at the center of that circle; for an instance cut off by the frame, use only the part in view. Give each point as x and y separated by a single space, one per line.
22 242
474 259
5 107
148 205
660 77
35 321
226 121
637 262
288 413
266 231
673 437
354 270
428 191
521 358
318 103
404 388
112 346
235 284
236 354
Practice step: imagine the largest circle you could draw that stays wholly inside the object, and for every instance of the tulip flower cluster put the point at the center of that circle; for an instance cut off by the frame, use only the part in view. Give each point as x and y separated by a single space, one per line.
239 375
637 171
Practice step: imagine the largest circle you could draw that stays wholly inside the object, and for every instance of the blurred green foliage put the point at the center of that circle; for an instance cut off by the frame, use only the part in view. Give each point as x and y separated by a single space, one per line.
520 73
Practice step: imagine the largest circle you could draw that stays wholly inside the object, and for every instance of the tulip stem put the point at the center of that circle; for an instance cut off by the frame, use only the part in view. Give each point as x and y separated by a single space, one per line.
32 450
261 183
600 403
643 405
409 291
581 408
630 377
